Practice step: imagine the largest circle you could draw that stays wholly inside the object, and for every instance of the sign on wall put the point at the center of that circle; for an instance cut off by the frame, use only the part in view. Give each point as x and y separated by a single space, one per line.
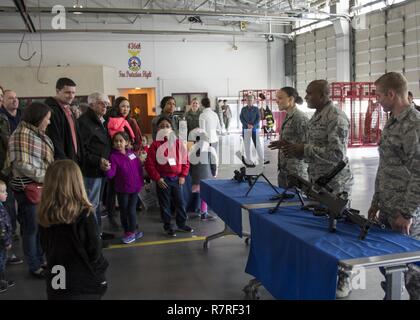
134 63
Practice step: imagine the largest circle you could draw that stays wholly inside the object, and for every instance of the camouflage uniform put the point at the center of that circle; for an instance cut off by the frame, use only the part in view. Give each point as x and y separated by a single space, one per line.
328 132
397 185
293 130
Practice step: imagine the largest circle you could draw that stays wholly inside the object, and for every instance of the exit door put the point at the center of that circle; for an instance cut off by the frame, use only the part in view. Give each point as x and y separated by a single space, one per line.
139 100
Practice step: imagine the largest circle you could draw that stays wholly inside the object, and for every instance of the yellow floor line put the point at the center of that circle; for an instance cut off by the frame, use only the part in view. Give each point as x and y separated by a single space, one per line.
153 243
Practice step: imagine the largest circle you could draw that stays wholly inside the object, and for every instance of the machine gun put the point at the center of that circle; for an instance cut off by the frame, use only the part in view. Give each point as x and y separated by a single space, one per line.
251 173
336 206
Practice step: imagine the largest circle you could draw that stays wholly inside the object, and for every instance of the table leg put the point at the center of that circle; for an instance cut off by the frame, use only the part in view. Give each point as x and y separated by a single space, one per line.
394 281
226 231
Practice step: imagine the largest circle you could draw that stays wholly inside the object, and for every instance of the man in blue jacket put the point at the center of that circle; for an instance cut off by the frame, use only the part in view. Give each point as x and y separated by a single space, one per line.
250 119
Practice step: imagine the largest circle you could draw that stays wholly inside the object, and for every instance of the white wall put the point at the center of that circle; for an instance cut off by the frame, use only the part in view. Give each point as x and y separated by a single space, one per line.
200 63
28 82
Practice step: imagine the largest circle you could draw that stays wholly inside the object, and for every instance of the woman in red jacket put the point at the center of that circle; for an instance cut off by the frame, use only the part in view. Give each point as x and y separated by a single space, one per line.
167 164
121 111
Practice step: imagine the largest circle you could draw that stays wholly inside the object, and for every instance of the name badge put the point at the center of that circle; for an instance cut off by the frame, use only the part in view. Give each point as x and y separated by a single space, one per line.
172 162
132 156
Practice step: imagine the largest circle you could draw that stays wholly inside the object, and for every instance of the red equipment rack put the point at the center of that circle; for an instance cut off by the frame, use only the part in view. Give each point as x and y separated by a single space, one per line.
358 101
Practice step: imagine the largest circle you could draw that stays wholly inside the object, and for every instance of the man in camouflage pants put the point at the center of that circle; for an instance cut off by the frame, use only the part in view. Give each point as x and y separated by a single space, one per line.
328 131
396 201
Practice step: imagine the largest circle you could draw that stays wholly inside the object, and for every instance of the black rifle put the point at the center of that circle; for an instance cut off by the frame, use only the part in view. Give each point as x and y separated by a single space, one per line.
242 175
336 206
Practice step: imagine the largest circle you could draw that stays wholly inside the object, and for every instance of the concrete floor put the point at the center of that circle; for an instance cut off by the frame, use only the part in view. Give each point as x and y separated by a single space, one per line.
183 270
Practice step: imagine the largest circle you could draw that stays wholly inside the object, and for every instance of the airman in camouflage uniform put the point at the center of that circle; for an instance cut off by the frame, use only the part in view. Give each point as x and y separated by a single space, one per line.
396 201
293 130
328 131
326 146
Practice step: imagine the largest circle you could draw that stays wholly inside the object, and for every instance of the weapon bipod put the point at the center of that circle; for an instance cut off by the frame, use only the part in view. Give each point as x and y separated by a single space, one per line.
283 196
255 181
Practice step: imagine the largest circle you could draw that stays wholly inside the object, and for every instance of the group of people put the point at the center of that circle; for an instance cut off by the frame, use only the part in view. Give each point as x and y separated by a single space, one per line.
309 148
71 160
57 166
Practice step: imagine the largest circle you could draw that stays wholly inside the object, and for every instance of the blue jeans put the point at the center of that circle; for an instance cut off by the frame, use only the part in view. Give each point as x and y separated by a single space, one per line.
10 205
128 215
93 189
29 231
173 194
3 258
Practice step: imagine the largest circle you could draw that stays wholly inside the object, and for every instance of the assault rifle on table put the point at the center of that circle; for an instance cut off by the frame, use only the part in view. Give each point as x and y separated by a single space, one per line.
333 206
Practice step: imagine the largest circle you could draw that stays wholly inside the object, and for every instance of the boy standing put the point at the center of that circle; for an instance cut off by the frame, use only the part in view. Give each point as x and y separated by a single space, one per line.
5 239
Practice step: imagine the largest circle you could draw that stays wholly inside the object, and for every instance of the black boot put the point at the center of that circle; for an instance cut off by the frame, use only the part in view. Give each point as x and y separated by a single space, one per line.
5 284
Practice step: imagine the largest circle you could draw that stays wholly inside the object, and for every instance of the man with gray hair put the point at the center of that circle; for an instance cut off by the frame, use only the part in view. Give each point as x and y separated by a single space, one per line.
250 119
96 148
396 201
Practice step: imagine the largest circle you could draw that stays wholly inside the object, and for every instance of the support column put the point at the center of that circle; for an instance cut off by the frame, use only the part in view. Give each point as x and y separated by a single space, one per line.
342 32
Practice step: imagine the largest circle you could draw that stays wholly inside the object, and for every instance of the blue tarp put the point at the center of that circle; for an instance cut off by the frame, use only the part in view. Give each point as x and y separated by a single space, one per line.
226 197
295 256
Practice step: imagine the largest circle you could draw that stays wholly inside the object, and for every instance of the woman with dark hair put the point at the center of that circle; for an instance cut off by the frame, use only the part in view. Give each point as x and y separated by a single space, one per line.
120 112
29 154
168 106
293 130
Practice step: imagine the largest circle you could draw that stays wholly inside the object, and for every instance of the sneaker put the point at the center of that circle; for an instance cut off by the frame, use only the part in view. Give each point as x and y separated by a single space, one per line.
185 228
343 286
39 274
205 216
6 284
139 235
129 237
170 231
13 260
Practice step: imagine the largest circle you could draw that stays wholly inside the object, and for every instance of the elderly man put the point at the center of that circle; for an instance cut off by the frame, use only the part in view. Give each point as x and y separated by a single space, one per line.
250 119
96 148
396 201
10 117
326 146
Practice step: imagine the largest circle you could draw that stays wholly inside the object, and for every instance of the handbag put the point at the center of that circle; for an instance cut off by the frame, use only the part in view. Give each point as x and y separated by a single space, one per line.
33 192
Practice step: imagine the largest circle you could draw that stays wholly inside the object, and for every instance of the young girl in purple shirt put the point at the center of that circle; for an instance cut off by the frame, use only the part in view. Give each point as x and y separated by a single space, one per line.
128 173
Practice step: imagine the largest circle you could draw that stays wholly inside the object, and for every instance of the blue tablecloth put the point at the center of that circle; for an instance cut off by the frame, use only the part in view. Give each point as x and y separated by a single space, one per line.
295 256
226 197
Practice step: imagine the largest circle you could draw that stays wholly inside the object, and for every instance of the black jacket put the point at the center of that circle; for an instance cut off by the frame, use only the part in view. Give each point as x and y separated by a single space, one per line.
60 133
77 248
96 144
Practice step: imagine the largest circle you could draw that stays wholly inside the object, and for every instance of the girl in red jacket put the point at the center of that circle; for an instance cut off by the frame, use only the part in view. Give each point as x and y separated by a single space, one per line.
167 164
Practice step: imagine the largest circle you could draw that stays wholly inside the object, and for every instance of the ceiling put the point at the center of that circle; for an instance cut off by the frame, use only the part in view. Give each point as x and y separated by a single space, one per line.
242 17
